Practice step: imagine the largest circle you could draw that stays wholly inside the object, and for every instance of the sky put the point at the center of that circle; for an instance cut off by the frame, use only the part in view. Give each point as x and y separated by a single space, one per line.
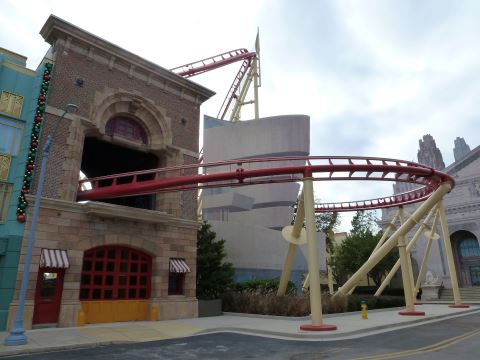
373 75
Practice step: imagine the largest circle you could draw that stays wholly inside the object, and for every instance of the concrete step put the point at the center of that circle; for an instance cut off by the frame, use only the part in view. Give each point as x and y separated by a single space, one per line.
467 294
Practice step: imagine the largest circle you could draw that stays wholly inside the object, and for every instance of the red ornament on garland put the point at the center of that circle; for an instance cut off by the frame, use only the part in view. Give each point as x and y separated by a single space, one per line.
34 144
21 218
30 166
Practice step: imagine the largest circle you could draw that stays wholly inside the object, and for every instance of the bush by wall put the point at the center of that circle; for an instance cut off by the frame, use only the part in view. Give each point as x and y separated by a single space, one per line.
292 305
373 302
265 286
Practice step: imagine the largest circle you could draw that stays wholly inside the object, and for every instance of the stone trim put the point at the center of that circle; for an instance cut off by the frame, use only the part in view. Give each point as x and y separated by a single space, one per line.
18 68
105 210
453 209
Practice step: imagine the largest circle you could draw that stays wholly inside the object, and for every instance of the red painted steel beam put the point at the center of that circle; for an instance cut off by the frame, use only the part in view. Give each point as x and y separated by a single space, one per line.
214 62
241 176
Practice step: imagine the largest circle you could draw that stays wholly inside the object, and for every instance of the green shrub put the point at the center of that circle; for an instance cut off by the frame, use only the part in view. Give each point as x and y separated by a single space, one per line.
259 297
265 304
213 274
373 302
270 304
265 286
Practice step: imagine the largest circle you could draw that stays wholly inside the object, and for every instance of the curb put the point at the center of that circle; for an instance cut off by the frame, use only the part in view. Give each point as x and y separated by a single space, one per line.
57 348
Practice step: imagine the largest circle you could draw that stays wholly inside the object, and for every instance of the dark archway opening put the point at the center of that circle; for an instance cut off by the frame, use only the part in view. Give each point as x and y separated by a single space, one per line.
466 250
102 158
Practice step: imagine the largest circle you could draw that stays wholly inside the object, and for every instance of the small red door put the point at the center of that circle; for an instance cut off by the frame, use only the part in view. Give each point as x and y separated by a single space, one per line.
48 295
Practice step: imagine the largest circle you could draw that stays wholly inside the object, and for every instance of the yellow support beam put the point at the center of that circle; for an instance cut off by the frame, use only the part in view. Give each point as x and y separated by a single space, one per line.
436 196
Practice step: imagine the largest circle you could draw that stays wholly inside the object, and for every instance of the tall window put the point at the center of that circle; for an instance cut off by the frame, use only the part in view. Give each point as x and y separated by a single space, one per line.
176 276
115 272
10 136
126 127
469 247
5 192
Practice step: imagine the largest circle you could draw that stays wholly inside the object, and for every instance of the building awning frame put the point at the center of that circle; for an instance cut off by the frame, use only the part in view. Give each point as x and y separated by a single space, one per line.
179 266
54 258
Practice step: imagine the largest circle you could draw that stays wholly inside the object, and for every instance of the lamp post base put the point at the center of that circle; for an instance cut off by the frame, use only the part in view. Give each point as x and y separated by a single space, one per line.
16 337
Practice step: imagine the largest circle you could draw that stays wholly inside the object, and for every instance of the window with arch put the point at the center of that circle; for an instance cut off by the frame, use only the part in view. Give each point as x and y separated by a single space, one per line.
126 127
469 247
115 273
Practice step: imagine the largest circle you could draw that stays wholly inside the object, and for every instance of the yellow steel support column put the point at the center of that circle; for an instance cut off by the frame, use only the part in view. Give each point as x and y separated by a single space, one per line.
330 276
329 237
256 79
409 258
287 269
313 269
426 253
411 243
406 276
295 235
451 263
392 241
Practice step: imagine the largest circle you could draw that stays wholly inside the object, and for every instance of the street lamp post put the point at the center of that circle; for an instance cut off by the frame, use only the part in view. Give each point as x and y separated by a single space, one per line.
17 333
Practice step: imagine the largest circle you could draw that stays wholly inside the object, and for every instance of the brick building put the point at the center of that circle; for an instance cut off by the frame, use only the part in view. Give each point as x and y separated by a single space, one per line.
126 258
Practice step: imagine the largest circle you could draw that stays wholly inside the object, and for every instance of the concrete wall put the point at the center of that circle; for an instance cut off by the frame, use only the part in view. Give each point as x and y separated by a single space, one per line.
249 218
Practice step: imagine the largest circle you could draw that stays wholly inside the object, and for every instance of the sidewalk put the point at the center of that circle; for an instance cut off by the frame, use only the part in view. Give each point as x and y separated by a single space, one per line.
349 325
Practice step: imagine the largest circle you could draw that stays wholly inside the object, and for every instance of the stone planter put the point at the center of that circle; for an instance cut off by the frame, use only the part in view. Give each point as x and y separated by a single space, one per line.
430 292
209 307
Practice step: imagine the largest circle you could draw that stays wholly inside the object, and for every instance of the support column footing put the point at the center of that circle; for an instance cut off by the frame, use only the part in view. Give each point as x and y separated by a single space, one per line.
412 313
310 327
459 306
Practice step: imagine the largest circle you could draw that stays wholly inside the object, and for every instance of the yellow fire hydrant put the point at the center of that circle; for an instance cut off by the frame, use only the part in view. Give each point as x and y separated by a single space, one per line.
364 309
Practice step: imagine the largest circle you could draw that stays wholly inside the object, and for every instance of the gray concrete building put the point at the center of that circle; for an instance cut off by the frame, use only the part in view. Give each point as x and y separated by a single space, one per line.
250 218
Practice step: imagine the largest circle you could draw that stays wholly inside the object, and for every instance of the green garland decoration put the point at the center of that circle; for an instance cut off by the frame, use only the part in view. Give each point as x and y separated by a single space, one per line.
34 140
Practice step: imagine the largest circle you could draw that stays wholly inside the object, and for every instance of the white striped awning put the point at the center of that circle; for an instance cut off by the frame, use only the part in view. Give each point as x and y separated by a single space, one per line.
179 266
54 258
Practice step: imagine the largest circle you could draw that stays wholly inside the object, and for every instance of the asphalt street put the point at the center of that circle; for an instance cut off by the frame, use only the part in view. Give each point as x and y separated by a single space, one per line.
456 338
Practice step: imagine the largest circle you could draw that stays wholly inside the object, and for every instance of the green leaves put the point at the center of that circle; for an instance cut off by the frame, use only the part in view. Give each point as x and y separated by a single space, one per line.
213 275
354 251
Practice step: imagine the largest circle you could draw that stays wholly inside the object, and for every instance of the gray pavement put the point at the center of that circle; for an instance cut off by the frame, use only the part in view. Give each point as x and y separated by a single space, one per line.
349 326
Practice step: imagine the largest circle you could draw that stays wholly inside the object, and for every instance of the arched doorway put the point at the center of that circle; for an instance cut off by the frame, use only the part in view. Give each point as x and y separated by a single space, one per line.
122 149
467 250
115 284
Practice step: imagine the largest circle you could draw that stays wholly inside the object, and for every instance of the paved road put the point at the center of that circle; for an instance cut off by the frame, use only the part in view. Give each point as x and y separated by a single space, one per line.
450 339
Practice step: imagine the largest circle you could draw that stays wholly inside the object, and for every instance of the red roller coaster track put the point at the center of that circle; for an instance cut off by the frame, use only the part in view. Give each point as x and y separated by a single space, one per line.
274 170
213 62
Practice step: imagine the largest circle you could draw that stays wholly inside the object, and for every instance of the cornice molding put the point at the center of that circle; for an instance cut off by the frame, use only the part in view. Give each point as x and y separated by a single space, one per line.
57 31
104 210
